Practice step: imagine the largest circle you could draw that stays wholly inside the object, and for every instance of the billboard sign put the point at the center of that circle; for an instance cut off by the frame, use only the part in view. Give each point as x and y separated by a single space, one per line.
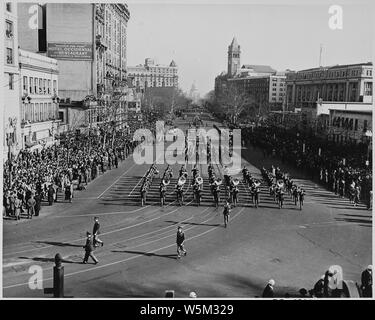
70 51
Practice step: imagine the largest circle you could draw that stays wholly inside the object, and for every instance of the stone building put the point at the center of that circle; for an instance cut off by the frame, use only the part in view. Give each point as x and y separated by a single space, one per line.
89 42
151 75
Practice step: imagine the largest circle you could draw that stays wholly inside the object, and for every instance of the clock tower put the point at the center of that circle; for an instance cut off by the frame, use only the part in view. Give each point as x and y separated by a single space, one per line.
234 54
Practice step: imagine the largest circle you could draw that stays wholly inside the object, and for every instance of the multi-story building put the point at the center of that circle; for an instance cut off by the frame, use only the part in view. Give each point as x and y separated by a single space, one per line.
345 83
39 99
89 42
153 75
352 123
263 86
11 87
265 91
314 92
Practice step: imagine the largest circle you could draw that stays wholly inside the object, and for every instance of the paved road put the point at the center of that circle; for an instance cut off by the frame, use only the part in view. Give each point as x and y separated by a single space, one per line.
139 254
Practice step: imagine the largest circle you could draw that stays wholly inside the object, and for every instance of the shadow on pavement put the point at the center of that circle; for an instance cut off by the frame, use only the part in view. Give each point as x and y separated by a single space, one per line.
40 259
60 244
148 254
194 223
353 220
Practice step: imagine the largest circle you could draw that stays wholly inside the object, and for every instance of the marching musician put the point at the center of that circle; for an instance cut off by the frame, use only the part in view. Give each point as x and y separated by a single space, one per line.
301 196
216 192
143 192
234 192
180 191
183 171
226 213
197 189
163 190
256 193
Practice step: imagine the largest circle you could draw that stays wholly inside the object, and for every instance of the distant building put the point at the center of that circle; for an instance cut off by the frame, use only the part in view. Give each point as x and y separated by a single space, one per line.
263 90
345 83
317 91
263 85
39 95
153 75
234 58
351 124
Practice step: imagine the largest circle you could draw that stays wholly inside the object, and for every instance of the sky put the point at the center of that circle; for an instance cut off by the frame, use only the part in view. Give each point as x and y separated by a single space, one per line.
285 36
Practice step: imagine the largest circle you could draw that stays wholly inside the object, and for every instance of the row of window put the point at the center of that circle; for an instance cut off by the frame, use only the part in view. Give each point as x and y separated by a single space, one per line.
33 85
331 74
348 123
38 112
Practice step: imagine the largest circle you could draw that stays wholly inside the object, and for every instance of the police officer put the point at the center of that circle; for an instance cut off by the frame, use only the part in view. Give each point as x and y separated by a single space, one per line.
89 249
180 239
96 232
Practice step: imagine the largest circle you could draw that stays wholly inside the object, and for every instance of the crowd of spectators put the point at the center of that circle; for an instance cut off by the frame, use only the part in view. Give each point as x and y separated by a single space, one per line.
38 176
344 169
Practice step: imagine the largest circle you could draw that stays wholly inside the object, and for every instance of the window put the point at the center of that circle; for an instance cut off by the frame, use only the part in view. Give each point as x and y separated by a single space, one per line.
31 85
46 111
25 84
364 125
40 86
8 29
50 108
9 56
36 91
49 87
356 124
9 7
36 112
54 86
11 81
368 88
40 116
61 116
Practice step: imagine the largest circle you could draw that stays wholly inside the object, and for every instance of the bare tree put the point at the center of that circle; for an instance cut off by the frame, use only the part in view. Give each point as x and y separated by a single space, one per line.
234 101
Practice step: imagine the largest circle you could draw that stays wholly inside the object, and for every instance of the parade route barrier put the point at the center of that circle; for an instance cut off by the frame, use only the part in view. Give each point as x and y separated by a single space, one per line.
58 279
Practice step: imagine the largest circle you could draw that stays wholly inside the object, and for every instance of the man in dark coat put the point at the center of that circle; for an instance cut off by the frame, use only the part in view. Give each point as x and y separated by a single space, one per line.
89 248
31 207
268 290
180 239
51 193
96 233
366 282
37 204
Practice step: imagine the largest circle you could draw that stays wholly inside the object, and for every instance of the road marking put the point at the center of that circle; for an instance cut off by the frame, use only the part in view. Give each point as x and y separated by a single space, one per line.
130 258
115 243
104 233
101 214
115 181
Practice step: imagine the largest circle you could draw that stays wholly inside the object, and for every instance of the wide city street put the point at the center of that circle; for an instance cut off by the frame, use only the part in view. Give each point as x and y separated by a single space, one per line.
139 259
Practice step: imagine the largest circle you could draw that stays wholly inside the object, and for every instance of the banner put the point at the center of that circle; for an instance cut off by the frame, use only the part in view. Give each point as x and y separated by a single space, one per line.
70 51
